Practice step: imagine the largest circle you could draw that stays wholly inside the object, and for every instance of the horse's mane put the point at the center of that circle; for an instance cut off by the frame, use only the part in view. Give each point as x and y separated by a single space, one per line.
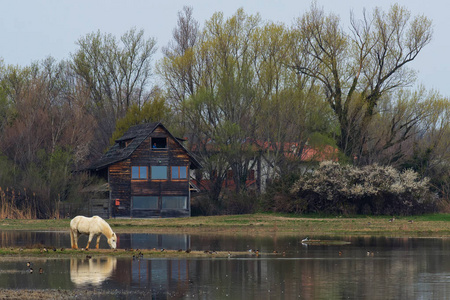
106 229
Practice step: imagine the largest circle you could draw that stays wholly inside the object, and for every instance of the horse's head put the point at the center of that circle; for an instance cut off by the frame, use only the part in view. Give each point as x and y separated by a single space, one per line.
112 241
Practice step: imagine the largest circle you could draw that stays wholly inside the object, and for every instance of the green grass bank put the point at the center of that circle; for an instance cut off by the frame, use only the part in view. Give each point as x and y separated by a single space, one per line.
436 225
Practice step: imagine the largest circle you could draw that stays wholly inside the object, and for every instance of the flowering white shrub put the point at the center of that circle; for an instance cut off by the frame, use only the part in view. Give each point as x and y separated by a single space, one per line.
336 188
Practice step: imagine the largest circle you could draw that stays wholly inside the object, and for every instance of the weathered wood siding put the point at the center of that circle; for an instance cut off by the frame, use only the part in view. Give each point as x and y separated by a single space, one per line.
124 188
99 207
120 185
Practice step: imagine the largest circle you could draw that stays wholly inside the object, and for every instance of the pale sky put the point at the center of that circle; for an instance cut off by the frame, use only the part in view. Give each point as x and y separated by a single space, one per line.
32 30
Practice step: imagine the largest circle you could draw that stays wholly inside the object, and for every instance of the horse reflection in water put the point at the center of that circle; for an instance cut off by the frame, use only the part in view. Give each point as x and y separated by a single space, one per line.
91 271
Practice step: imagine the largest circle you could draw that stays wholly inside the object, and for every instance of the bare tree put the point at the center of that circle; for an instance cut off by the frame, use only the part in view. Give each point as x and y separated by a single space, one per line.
48 134
178 68
360 66
116 73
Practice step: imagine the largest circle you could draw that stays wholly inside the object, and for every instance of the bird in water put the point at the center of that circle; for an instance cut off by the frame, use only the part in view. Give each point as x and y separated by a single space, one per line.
305 239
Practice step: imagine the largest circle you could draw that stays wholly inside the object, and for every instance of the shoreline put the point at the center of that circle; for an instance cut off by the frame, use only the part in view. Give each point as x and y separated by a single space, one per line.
42 252
261 225
68 294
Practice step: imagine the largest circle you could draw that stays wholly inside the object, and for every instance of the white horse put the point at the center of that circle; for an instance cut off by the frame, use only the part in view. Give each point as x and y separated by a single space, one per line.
94 226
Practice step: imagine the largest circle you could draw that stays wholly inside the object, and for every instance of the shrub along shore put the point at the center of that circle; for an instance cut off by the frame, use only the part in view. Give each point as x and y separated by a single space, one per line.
435 225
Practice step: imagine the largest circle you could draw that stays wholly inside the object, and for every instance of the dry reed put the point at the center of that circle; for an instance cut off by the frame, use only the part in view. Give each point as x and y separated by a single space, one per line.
10 210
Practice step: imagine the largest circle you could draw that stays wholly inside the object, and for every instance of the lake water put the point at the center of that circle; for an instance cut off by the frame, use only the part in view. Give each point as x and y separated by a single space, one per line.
367 268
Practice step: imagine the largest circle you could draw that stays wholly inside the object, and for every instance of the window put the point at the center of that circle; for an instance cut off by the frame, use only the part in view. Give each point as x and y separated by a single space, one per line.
159 172
159 143
124 144
145 202
174 202
179 172
138 172
251 175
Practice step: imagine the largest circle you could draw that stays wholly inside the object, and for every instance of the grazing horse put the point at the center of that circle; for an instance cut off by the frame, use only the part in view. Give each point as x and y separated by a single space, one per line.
94 226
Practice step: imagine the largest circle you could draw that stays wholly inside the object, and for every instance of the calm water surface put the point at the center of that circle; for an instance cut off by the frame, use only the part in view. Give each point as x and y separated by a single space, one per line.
368 268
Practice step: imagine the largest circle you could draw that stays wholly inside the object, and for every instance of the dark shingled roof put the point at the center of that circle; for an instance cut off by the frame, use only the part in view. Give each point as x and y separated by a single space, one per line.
137 134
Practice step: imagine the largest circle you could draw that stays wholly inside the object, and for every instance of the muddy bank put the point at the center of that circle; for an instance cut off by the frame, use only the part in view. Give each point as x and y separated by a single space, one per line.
69 294
134 253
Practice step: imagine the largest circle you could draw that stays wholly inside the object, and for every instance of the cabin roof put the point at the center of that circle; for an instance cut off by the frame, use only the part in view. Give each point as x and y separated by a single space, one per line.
136 135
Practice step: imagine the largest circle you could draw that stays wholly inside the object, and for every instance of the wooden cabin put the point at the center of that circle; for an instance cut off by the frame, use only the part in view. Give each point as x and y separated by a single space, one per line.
148 173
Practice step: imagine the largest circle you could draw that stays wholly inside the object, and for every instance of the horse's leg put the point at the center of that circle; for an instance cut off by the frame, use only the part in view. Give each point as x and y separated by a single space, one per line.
74 239
98 240
71 238
91 236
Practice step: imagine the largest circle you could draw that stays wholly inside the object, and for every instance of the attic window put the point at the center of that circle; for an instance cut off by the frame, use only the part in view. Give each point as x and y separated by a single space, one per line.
124 144
159 143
